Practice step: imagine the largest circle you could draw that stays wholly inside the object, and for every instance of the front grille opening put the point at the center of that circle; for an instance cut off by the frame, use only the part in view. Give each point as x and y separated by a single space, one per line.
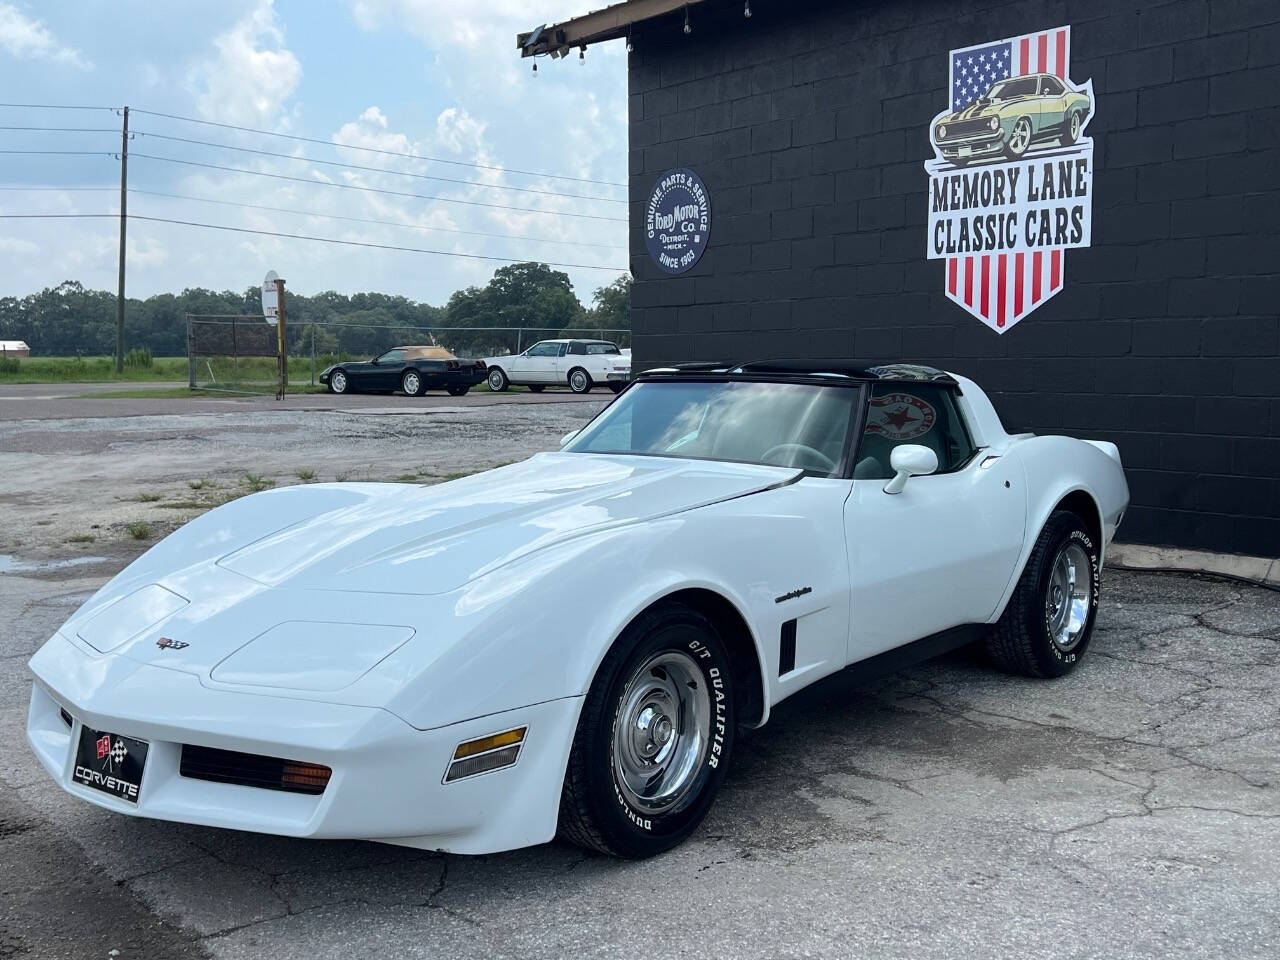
252 770
66 717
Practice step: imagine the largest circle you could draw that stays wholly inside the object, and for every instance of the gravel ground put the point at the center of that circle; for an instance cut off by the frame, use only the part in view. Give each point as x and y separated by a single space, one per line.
65 480
1129 810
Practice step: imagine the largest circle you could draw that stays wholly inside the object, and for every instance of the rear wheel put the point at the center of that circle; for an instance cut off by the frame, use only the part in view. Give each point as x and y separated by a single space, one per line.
497 380
579 380
1072 133
1046 628
458 389
411 383
654 737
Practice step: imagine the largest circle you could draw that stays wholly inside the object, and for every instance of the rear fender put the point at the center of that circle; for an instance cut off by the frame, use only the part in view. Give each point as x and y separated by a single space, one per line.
1056 467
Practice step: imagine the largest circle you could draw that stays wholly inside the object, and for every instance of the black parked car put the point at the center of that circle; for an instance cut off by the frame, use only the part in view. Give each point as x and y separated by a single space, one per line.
410 370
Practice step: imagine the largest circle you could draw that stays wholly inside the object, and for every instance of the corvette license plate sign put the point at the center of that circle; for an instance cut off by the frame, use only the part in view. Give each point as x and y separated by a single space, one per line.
110 763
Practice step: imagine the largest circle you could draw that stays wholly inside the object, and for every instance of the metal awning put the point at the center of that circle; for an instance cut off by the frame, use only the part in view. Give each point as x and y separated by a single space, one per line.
609 23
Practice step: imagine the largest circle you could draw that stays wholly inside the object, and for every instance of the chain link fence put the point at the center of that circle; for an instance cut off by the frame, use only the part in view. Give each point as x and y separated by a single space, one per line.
239 354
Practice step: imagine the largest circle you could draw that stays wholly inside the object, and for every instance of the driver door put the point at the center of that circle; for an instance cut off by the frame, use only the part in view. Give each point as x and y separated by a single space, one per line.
535 365
940 553
1053 104
384 371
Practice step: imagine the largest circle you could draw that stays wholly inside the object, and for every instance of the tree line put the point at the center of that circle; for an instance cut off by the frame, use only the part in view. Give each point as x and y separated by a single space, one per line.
69 320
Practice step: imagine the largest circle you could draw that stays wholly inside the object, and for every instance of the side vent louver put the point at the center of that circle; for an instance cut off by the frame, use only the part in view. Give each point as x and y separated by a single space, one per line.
787 648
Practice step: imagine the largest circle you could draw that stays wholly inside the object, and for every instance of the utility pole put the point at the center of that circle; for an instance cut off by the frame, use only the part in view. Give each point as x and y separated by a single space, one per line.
124 218
280 340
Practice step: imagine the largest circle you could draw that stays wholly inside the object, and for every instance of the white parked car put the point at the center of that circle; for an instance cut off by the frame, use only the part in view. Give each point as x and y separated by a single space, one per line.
394 662
581 364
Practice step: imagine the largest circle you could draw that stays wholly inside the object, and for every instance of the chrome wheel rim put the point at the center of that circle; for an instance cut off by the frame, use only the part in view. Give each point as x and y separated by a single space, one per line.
495 380
339 382
1069 595
411 383
1021 136
1075 125
579 381
661 732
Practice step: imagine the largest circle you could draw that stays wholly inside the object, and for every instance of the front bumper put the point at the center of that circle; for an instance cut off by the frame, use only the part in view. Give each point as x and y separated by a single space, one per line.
972 147
387 776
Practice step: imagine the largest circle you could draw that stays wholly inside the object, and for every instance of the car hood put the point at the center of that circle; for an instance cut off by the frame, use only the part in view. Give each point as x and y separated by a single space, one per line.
412 539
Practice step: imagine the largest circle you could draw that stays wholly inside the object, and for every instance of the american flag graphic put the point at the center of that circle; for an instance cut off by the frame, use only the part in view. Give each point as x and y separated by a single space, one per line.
1002 288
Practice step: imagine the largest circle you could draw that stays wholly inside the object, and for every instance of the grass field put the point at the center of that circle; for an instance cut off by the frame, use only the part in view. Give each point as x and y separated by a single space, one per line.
256 370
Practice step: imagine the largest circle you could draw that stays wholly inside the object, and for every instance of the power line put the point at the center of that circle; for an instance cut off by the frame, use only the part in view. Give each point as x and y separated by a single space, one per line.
67 129
326 143
300 236
313 160
391 153
385 223
61 153
324 216
55 106
357 166
352 186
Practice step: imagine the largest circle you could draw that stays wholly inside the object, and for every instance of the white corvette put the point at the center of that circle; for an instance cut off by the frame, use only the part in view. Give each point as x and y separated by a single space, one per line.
396 663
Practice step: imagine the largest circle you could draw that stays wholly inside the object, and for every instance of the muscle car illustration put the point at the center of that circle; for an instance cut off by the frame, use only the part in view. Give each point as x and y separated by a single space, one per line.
1011 117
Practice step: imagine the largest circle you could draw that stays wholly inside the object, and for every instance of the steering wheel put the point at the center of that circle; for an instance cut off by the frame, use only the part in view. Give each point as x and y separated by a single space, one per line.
823 462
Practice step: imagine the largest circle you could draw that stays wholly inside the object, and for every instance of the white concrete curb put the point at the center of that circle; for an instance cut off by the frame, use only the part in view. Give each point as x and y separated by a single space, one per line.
1134 556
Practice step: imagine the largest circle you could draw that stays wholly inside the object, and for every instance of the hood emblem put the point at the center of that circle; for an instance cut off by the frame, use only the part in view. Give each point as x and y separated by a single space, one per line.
164 643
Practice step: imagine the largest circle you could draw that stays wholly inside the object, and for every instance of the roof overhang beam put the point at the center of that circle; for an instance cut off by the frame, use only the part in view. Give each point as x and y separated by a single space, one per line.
607 24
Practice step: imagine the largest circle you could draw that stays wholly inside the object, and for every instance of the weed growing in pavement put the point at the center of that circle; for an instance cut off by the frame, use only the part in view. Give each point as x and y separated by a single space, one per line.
306 474
81 538
149 497
139 530
256 482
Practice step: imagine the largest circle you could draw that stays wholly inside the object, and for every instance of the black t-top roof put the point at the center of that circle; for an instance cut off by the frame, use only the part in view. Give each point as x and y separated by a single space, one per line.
806 369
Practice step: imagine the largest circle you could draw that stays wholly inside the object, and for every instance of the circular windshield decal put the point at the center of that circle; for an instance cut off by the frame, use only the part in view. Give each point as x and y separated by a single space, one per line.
677 220
899 417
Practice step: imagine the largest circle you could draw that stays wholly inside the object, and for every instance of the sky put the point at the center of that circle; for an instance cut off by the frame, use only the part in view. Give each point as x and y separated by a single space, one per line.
418 79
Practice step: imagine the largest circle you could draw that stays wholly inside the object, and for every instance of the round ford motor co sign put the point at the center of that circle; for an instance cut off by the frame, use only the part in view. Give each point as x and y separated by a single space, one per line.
677 220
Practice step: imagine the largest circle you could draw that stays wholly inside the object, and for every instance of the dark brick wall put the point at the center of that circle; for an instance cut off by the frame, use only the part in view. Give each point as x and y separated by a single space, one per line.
808 124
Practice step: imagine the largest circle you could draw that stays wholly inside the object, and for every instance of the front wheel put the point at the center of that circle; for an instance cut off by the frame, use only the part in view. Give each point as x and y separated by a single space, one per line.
497 380
1046 628
654 737
337 382
579 380
411 383
1019 139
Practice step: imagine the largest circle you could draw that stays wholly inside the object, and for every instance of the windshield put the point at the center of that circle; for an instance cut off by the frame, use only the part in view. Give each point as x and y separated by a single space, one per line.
1017 87
781 424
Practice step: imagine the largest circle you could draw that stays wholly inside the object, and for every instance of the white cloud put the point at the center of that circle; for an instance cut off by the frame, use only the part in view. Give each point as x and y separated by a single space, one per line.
251 74
480 24
30 39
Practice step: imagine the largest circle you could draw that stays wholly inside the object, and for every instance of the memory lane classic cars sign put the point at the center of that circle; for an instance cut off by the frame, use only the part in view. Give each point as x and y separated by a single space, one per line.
1011 180
677 220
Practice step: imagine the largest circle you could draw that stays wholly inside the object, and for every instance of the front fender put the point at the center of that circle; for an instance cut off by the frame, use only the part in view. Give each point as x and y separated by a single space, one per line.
536 629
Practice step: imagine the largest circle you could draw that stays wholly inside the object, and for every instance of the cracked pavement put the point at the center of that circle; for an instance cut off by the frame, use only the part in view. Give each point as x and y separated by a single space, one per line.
1131 810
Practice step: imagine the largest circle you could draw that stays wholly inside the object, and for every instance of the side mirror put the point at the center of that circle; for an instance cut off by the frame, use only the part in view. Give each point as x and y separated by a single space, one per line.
374 361
910 460
564 441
